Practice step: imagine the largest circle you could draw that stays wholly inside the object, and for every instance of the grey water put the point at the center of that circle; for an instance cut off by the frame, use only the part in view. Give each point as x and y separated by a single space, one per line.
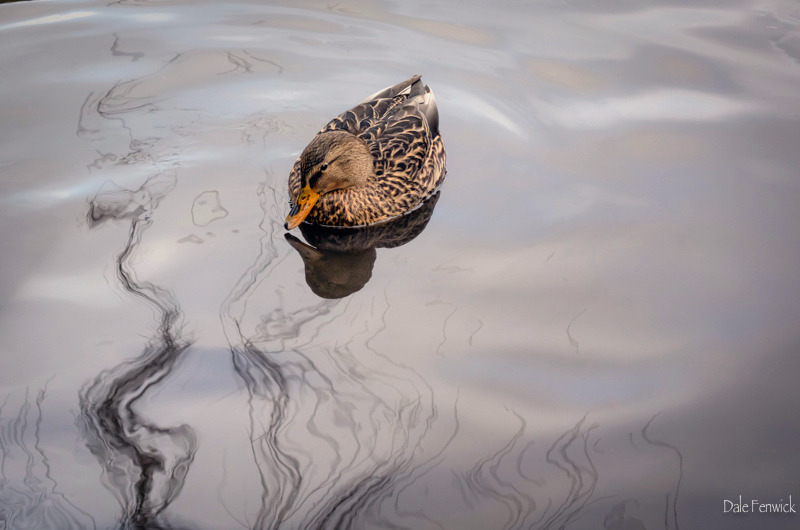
594 325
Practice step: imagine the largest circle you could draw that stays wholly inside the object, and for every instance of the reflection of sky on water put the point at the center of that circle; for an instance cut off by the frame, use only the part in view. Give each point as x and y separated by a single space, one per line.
50 19
542 382
657 106
615 237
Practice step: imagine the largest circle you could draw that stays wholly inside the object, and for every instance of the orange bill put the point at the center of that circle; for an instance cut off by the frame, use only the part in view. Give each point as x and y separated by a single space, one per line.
308 198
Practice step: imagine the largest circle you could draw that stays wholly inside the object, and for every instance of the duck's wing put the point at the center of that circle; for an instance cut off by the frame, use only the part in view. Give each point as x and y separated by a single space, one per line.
399 144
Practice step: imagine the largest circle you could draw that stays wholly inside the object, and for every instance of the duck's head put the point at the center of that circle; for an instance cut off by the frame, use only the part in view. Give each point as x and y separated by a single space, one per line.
334 160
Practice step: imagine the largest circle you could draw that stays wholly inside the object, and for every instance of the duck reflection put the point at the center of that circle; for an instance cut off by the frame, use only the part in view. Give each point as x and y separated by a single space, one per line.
339 261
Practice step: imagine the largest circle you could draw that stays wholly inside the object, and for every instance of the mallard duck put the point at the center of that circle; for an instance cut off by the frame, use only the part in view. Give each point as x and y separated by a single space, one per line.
376 161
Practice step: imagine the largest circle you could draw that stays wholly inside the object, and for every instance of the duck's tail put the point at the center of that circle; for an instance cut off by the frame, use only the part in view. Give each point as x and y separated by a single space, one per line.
427 104
397 90
417 93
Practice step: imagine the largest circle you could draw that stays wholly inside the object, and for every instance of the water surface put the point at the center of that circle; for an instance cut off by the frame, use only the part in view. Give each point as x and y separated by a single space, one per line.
597 327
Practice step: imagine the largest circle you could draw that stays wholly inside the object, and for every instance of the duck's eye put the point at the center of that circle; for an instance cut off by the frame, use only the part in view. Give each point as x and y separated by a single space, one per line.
323 167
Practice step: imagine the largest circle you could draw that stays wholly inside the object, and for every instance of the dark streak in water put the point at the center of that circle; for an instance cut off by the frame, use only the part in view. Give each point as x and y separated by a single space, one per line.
207 208
495 478
617 519
480 326
518 503
452 268
583 479
572 341
135 56
520 458
144 465
141 3
137 206
680 475
263 378
444 324
102 160
263 124
268 61
238 64
84 131
37 503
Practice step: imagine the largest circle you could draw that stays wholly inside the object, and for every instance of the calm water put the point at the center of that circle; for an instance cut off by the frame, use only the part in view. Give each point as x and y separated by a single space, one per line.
597 328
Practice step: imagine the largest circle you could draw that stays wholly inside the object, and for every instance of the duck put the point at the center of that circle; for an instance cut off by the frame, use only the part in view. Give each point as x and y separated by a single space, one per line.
374 162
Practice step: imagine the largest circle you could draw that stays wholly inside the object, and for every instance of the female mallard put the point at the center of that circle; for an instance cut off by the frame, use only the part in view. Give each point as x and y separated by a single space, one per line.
379 160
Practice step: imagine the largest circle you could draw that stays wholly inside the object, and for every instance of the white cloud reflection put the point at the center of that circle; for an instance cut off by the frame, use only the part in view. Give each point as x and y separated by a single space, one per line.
661 105
50 19
471 104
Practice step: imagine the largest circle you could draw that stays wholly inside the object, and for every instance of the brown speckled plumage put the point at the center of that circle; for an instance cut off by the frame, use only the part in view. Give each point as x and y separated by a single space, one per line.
400 126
